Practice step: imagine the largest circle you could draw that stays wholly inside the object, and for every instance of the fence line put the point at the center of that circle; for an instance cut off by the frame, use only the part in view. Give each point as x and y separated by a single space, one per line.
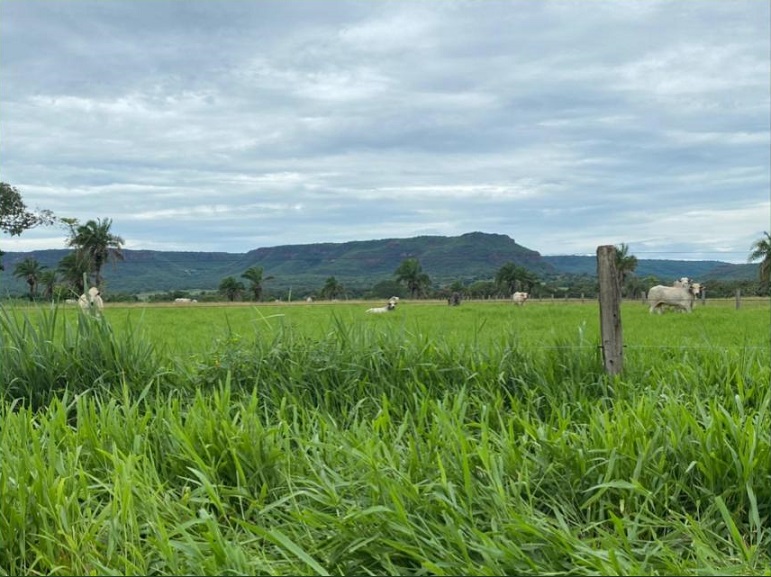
654 347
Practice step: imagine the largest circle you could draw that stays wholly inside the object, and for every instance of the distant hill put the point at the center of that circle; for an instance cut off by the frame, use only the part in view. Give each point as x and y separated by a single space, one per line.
356 264
471 255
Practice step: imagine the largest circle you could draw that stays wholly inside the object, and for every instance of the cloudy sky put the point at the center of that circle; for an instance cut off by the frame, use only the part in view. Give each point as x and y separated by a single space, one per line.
229 125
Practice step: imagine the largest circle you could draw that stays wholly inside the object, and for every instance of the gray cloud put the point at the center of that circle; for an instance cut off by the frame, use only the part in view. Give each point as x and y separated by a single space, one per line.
228 125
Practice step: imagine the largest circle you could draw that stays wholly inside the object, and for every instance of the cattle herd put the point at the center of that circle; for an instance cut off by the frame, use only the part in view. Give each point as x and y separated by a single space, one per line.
681 295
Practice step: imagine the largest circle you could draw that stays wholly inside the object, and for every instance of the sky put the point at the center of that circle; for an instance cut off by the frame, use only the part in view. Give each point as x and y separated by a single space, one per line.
230 125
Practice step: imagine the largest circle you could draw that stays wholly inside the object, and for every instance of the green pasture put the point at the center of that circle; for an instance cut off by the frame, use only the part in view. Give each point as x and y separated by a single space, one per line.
301 439
193 328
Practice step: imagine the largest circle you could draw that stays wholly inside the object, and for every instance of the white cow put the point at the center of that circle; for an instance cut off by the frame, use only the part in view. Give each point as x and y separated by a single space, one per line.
519 298
91 302
379 310
684 282
676 296
184 300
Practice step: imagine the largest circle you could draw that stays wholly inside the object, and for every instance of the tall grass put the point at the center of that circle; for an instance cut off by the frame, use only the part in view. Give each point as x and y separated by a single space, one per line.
377 449
44 354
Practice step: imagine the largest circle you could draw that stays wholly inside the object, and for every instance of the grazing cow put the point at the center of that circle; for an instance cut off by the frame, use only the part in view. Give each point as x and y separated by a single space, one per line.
519 298
378 310
91 302
183 300
676 296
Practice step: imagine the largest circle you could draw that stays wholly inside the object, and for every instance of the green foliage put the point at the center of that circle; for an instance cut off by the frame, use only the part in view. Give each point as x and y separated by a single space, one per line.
30 270
231 288
72 268
47 279
625 262
332 289
410 273
761 250
477 440
15 218
44 355
95 244
387 289
255 277
511 278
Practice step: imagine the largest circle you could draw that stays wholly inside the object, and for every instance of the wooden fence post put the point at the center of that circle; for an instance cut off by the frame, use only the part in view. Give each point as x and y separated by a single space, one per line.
738 298
610 310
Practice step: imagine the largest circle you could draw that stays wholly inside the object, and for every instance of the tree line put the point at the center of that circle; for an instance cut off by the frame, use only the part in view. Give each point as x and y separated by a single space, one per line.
410 280
94 244
409 274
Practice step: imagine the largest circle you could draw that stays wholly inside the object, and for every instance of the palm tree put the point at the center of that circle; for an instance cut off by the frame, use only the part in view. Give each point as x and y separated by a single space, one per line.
625 263
761 249
231 288
514 277
332 289
95 240
30 270
528 280
48 281
507 277
254 275
72 267
411 274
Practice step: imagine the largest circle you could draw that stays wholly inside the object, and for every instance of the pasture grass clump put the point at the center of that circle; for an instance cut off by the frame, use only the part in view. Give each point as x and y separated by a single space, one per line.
382 446
44 353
